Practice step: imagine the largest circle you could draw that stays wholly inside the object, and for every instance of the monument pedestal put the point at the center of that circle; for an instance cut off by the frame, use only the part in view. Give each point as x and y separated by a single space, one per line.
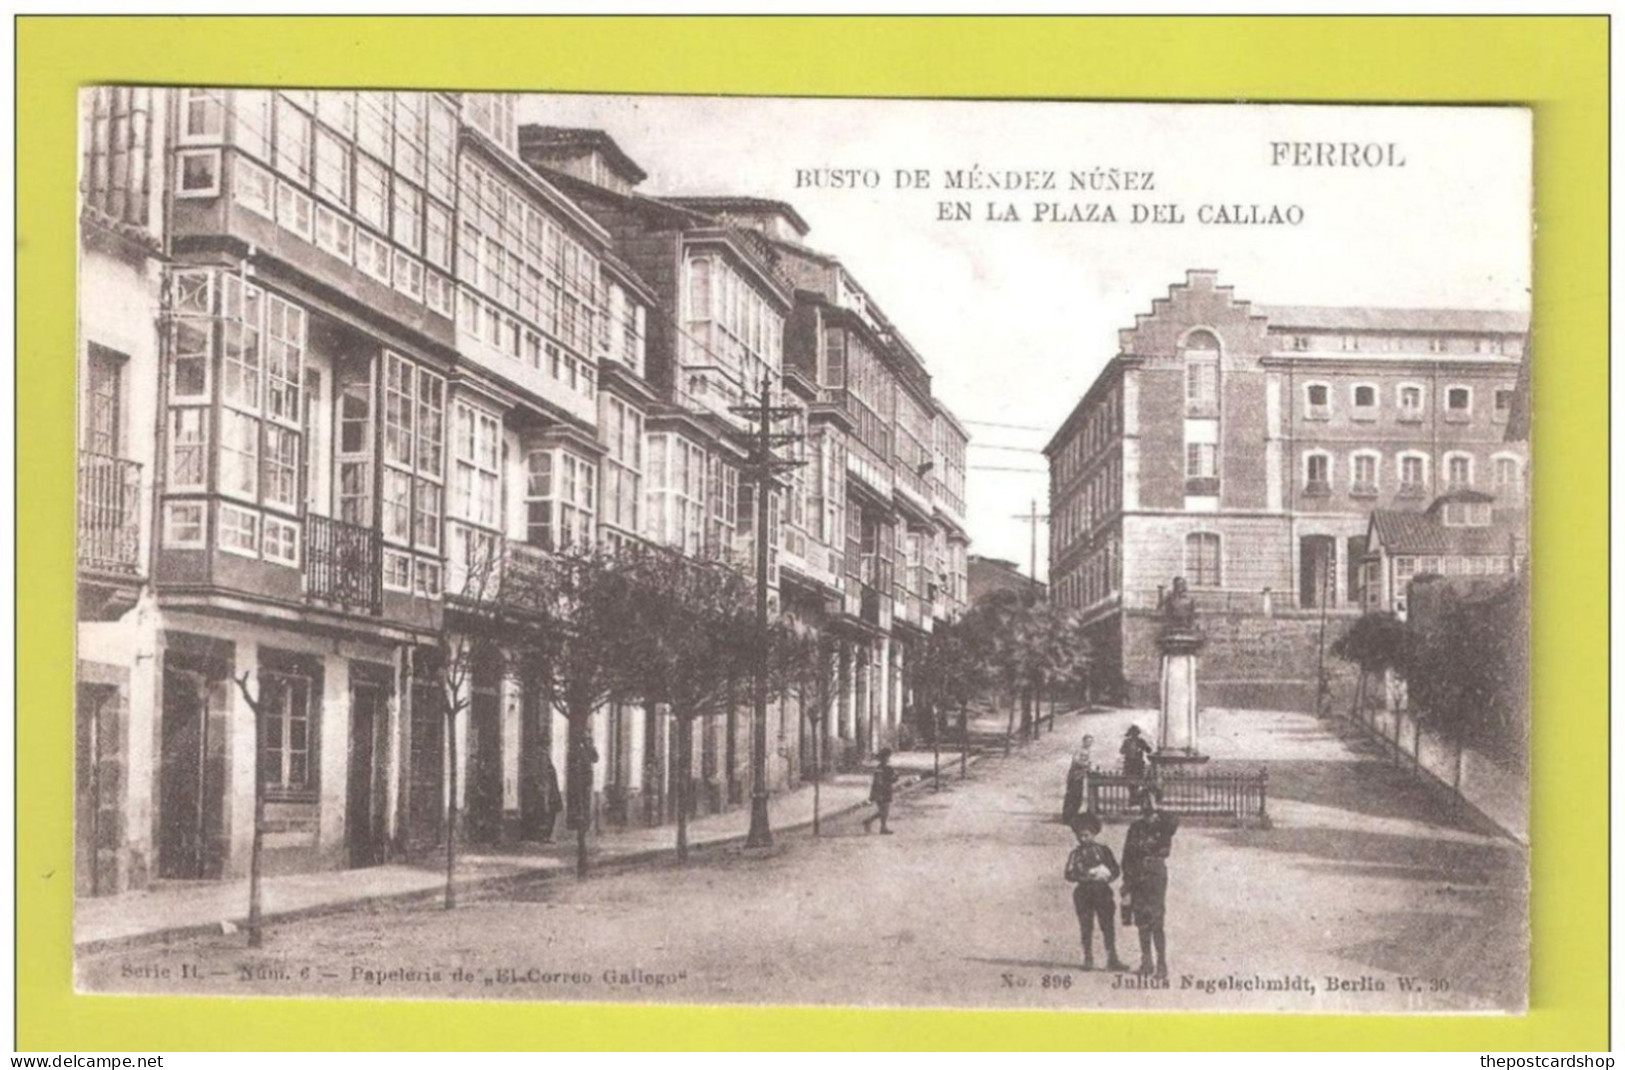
1177 729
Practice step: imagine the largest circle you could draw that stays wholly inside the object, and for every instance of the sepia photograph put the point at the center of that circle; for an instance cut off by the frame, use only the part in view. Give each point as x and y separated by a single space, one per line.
941 553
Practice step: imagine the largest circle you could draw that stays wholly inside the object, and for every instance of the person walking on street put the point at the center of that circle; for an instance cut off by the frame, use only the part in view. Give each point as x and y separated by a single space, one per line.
1145 877
1077 780
880 792
1135 751
1092 867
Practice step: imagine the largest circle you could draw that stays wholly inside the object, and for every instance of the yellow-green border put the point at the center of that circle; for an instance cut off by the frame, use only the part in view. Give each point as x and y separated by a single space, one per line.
1559 65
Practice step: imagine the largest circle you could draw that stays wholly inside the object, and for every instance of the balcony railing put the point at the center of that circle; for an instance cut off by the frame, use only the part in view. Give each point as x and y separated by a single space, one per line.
109 514
344 564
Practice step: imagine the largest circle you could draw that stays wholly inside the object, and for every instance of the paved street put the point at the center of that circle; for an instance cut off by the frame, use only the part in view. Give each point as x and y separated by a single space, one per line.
1365 877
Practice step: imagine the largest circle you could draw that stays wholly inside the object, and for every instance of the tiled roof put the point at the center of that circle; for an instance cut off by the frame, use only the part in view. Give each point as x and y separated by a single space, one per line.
1330 317
1402 532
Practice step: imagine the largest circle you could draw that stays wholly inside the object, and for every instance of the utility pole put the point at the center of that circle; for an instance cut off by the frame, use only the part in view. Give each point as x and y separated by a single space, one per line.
1034 518
763 465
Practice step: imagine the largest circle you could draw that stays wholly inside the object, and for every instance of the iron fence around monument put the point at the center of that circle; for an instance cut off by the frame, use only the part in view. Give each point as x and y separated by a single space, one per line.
1223 794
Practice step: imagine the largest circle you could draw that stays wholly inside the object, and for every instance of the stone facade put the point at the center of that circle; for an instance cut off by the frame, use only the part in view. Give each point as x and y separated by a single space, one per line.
1244 447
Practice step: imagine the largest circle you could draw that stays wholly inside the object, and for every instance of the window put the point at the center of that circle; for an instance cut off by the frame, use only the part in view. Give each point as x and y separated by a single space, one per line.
1364 397
1410 402
239 531
188 448
1413 475
561 498
1458 470
183 525
1202 378
414 445
1458 403
1503 403
335 234
408 276
252 187
293 210
1201 460
1508 475
202 115
293 141
197 173
437 235
281 541
476 478
372 256
336 108
1365 467
1317 473
372 193
332 168
102 430
374 130
408 230
621 429
287 733
1466 515
1202 559
1317 399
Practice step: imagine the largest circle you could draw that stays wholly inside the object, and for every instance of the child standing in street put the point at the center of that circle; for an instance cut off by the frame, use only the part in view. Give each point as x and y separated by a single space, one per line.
1092 867
880 792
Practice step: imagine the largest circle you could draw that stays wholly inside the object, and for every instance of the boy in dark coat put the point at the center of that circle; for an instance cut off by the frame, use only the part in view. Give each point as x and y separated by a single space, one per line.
880 792
1145 876
1134 750
1092 867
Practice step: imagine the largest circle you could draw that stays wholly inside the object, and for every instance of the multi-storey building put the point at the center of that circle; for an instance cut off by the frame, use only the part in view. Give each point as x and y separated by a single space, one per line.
1244 448
122 242
869 528
344 357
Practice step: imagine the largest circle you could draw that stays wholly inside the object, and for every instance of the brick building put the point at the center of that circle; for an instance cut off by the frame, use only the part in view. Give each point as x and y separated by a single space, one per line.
1245 447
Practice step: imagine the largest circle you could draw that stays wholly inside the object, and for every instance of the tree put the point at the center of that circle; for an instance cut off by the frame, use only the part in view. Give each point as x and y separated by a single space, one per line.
256 935
1378 643
999 628
1469 661
695 636
949 676
1058 650
474 615
807 660
585 608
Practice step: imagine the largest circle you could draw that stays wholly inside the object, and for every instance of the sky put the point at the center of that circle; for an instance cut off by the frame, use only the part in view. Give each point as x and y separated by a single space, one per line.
1015 318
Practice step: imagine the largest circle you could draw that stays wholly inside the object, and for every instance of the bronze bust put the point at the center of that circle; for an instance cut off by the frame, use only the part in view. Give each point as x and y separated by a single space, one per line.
1179 610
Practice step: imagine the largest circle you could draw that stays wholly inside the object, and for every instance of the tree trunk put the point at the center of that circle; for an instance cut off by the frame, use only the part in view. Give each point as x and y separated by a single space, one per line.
578 785
1009 724
818 769
685 763
936 748
451 809
964 738
256 934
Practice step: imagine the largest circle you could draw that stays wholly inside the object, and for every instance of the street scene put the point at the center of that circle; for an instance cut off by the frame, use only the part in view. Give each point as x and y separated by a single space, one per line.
1365 876
773 551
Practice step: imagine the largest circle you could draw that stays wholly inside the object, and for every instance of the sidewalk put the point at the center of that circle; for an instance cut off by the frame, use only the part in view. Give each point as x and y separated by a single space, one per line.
179 910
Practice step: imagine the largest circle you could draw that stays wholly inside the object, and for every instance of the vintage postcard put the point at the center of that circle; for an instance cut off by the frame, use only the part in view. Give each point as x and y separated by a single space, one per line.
904 553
